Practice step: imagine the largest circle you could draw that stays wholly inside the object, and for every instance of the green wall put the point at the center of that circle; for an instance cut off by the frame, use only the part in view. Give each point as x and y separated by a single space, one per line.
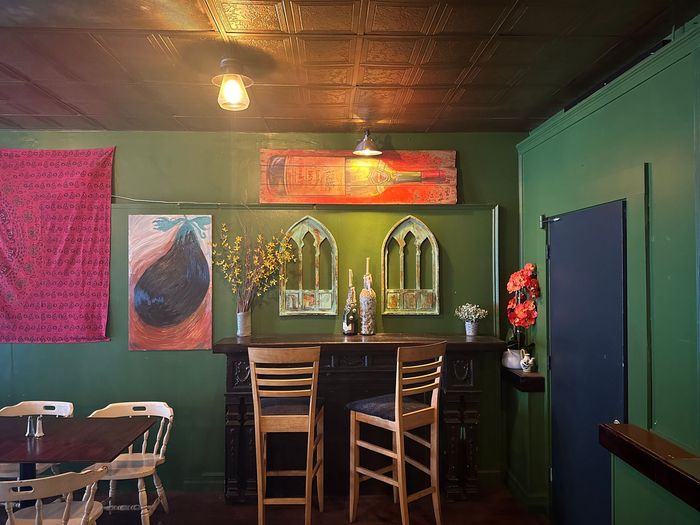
596 153
223 168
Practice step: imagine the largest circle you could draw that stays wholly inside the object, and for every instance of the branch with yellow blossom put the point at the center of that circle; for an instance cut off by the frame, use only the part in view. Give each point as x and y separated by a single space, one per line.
251 268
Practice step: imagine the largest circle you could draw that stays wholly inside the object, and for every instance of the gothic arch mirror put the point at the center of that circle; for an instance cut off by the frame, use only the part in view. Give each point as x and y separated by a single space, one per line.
309 285
410 269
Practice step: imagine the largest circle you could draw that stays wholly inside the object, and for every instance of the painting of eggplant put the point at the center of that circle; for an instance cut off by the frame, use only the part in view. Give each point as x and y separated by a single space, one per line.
169 282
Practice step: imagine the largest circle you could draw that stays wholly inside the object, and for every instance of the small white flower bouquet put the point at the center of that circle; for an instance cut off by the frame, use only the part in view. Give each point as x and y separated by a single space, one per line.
471 312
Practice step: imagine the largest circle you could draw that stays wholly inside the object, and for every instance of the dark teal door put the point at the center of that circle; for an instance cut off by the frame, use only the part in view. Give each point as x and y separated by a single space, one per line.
587 323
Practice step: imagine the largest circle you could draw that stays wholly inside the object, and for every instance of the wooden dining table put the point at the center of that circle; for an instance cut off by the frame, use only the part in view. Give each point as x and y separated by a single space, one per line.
69 439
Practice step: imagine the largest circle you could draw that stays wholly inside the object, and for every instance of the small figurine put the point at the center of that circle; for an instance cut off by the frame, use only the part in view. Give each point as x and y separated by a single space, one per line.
527 363
368 304
350 314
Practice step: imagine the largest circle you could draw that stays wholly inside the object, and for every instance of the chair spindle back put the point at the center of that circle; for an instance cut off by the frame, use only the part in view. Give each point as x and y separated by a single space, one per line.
418 371
157 409
59 485
38 408
284 373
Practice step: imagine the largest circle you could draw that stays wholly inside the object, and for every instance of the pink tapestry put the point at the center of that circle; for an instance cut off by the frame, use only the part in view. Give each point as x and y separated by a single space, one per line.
54 245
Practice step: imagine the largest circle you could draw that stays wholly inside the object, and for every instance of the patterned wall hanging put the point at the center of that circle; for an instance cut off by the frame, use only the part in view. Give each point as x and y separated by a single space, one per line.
420 297
170 282
339 177
54 245
302 290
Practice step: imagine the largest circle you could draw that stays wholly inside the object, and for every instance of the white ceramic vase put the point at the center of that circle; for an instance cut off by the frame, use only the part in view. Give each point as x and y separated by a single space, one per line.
243 328
471 327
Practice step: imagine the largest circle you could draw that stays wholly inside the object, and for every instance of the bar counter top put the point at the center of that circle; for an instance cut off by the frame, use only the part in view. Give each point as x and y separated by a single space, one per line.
389 341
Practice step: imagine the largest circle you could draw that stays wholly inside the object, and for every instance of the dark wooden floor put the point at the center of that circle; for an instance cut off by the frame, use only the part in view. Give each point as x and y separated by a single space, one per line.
497 507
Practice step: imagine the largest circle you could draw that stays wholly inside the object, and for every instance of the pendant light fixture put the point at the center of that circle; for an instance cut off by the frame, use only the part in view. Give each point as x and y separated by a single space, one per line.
232 86
367 147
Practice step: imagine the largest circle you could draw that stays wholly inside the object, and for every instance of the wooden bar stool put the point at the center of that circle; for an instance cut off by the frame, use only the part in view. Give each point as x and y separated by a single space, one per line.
418 371
284 384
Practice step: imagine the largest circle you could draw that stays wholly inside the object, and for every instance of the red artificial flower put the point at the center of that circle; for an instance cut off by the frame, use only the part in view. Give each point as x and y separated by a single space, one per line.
533 287
516 281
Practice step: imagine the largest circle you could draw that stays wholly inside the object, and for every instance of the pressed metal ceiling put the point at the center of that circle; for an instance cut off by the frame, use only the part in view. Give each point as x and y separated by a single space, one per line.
318 65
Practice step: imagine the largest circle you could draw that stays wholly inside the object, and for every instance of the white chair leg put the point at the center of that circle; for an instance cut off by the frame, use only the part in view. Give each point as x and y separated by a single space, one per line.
112 491
161 492
143 503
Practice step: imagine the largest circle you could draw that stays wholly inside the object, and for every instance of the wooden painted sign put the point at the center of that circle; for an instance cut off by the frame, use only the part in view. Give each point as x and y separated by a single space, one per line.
339 177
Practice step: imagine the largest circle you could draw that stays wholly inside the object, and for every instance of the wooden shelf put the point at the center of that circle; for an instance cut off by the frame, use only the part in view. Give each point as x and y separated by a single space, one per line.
672 467
524 381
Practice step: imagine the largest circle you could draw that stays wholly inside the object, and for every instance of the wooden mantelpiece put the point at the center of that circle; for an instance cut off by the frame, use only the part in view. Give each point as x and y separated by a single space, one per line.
354 367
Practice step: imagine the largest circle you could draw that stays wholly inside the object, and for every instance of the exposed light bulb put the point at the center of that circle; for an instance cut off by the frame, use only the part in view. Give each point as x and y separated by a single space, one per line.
232 93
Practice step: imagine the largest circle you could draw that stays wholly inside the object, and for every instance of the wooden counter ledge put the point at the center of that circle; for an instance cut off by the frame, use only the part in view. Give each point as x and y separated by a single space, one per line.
672 467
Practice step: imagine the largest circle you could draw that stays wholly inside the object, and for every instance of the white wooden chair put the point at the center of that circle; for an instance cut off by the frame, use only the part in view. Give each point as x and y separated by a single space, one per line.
139 465
61 511
33 408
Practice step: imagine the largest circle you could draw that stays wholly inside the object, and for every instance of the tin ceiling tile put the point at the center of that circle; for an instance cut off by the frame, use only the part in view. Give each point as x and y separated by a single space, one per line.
376 97
8 74
419 112
494 75
326 17
331 50
514 50
102 98
252 16
384 50
154 57
271 96
384 75
18 98
387 17
479 18
478 96
428 95
150 15
534 18
438 76
46 55
326 96
328 75
451 50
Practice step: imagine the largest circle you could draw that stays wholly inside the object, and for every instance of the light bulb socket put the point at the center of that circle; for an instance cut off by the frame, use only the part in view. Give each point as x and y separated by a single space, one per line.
231 66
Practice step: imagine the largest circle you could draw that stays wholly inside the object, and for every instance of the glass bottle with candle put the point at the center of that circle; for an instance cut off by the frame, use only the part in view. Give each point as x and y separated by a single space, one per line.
368 304
350 314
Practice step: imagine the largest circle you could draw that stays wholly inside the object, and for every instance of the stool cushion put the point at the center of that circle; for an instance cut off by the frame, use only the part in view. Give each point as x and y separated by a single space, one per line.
383 406
287 406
